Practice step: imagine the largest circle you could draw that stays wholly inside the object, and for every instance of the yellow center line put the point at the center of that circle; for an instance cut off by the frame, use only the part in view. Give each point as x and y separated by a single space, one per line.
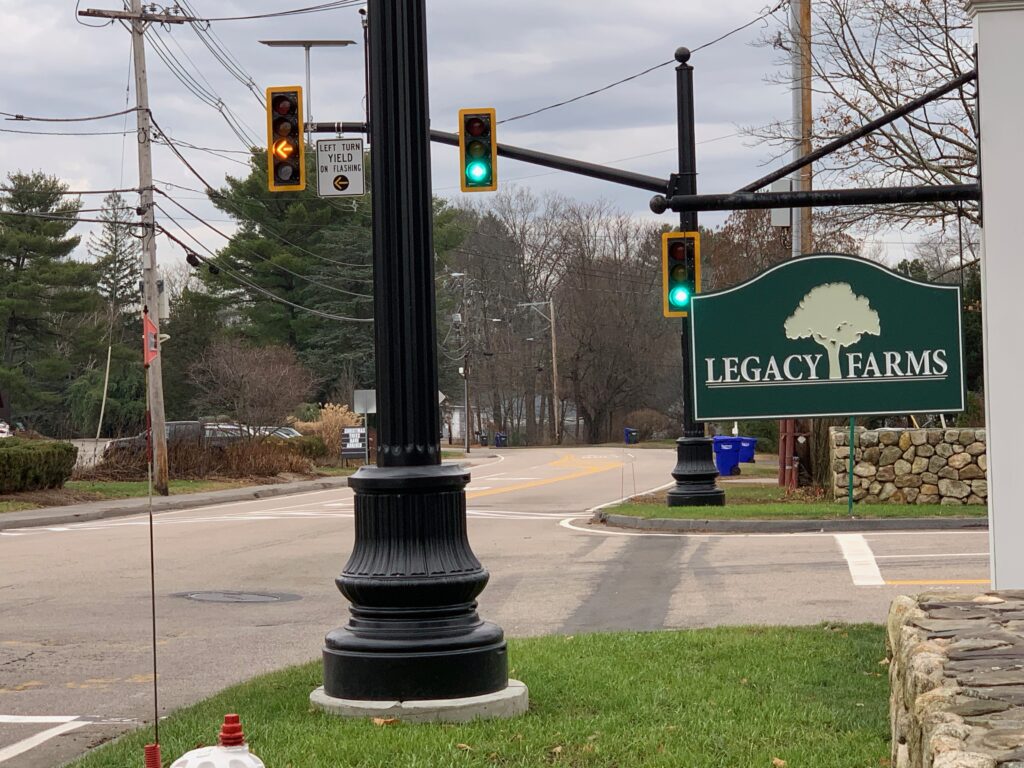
587 468
932 582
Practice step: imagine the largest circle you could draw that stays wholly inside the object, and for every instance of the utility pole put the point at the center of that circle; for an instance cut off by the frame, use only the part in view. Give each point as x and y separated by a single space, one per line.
554 358
554 375
150 291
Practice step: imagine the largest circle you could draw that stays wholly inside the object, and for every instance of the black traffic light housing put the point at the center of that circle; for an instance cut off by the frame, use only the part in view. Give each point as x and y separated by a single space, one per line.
478 150
680 271
286 146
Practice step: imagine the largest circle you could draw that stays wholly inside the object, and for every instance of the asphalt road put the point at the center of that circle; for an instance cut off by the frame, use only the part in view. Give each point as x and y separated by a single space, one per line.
75 663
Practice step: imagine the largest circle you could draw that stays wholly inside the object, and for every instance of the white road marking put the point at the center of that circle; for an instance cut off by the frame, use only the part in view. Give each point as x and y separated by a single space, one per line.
33 719
860 559
20 747
916 557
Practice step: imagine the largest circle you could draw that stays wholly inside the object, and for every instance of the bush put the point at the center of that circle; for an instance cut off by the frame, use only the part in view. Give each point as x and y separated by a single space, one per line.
195 461
35 465
311 447
332 423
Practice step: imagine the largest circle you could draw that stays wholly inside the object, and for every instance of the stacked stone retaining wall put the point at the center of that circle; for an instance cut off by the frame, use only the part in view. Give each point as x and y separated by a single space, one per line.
912 466
956 673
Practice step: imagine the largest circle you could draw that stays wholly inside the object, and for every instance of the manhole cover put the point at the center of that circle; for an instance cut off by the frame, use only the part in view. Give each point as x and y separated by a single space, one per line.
228 596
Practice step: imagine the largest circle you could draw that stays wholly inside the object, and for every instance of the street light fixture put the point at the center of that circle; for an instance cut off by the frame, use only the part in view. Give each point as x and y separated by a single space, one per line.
307 44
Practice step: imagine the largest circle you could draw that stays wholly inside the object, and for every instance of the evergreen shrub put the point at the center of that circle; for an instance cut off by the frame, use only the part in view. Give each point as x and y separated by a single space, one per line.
35 465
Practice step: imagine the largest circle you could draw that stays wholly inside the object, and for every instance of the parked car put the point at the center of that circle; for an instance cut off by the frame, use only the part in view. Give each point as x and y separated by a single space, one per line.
5 429
178 432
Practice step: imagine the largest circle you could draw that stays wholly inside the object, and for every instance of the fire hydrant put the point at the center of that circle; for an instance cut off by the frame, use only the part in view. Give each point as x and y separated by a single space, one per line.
231 752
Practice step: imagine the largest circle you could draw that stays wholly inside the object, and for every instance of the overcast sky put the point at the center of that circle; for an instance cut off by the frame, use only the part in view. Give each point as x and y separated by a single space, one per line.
515 57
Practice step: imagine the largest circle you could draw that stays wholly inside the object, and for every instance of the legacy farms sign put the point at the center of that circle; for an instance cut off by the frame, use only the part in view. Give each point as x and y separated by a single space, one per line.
827 336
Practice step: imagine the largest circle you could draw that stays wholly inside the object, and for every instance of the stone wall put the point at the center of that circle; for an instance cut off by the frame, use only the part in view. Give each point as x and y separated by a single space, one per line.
912 466
956 673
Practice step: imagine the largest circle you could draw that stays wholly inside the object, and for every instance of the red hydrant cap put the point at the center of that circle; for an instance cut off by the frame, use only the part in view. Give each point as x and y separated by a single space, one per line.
231 734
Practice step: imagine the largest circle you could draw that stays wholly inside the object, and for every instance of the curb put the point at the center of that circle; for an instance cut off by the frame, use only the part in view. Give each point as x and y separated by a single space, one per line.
101 510
792 526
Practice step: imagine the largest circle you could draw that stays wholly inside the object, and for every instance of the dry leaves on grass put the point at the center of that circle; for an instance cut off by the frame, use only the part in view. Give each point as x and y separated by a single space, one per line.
464 747
778 762
382 721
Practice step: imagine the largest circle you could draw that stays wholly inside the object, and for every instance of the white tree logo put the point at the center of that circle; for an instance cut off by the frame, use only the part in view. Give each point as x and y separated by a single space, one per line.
835 317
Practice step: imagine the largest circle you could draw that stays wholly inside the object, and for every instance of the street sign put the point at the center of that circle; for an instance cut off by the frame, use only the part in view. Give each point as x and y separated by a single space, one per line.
339 168
353 442
827 335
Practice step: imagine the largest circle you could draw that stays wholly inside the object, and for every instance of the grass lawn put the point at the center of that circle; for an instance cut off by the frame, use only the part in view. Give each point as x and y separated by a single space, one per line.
722 698
335 471
759 502
16 506
106 489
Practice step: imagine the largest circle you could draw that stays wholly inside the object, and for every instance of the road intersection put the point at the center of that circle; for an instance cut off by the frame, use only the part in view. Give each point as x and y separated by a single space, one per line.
74 645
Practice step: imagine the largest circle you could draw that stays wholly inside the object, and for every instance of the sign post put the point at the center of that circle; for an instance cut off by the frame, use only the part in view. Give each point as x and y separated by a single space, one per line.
998 29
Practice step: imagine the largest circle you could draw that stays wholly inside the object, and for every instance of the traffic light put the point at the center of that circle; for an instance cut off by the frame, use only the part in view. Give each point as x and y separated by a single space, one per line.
478 150
680 271
286 147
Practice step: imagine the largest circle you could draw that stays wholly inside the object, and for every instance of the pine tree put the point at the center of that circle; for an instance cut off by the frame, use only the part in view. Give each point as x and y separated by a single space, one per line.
118 258
46 298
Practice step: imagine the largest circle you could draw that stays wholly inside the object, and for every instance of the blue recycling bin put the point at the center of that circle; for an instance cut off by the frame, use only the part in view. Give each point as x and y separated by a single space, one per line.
631 436
500 440
727 455
748 446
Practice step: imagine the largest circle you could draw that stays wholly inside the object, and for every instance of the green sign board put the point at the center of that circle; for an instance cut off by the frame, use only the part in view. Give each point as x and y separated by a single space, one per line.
827 335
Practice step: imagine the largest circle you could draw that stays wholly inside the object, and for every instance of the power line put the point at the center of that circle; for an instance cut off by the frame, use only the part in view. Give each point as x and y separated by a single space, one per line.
253 286
293 12
778 6
214 192
66 133
15 116
276 266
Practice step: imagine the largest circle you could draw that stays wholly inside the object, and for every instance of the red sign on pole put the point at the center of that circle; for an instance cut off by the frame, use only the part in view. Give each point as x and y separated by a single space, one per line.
150 349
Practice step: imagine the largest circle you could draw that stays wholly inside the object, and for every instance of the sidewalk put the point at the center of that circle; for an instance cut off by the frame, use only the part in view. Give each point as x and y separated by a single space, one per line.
99 510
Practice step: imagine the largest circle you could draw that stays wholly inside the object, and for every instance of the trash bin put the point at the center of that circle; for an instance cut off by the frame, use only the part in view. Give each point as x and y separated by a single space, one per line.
748 446
727 455
500 440
483 439
631 436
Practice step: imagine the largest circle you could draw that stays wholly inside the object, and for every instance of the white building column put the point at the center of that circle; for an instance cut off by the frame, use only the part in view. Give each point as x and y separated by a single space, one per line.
999 32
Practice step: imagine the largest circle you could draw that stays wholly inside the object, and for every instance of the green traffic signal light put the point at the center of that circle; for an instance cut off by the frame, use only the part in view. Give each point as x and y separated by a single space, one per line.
478 171
679 296
478 150
680 264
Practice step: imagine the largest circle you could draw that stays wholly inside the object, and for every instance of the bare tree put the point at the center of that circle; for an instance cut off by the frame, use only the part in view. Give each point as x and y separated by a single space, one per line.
257 386
870 57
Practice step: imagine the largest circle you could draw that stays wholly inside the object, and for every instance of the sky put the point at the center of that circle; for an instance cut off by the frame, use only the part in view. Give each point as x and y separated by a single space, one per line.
516 57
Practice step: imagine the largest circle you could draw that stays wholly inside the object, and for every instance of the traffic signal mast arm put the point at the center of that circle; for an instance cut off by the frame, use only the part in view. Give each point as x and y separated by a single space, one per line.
557 162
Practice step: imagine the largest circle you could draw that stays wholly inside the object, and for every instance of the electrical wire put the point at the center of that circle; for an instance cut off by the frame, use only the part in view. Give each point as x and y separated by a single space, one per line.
55 217
66 133
272 263
219 50
253 286
15 116
293 12
777 7
214 192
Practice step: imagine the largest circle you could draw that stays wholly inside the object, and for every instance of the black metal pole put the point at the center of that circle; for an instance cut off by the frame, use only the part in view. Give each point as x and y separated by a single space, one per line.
695 470
412 579
746 201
